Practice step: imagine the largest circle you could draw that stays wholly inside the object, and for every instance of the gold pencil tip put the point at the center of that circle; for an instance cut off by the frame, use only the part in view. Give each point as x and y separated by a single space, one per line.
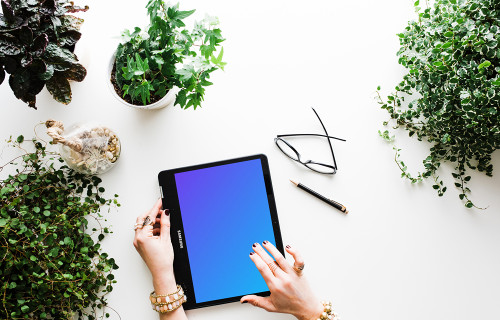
295 183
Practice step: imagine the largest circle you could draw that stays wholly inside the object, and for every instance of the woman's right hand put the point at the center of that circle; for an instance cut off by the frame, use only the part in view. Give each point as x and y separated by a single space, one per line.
290 291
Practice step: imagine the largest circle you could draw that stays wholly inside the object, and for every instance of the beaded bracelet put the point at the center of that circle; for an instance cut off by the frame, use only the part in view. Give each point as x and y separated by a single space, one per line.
328 313
164 303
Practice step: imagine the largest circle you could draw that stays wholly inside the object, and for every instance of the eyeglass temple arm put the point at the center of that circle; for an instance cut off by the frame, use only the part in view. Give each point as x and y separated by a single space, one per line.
329 142
309 134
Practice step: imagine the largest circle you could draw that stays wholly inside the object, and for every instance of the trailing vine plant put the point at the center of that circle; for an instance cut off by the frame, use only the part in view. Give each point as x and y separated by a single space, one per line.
52 265
452 57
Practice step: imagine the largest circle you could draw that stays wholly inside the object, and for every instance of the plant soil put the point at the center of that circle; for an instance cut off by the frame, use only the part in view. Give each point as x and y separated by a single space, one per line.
127 98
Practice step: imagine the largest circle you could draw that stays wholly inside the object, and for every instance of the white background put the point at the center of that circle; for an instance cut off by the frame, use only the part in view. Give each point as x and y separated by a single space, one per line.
401 253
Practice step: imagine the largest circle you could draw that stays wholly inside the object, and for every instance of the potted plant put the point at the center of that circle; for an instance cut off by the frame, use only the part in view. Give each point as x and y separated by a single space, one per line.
52 224
453 84
37 39
168 64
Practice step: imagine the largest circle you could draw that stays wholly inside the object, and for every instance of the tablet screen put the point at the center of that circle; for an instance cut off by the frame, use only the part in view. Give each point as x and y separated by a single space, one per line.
224 211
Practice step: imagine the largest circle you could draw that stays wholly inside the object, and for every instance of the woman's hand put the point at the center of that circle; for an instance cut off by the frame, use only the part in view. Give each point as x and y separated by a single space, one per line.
153 244
290 292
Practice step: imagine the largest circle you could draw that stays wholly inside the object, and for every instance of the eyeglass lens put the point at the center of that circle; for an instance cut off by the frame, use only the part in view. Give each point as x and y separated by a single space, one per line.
286 149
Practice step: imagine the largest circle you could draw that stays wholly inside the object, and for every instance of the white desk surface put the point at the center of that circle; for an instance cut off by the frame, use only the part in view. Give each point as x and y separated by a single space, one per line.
401 253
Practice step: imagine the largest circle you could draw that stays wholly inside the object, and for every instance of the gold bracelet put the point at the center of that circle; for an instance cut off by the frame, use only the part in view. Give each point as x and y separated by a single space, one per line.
328 313
164 303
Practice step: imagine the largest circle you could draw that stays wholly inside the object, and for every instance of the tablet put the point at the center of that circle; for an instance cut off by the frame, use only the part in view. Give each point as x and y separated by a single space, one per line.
217 211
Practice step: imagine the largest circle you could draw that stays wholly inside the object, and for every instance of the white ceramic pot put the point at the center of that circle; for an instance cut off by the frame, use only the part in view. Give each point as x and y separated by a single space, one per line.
167 100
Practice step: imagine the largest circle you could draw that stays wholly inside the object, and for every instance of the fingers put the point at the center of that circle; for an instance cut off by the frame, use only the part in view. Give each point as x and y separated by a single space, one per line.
278 256
148 228
266 258
151 213
298 264
264 270
157 226
165 226
260 302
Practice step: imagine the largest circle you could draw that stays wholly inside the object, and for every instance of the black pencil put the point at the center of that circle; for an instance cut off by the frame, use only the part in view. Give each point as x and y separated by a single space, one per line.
334 204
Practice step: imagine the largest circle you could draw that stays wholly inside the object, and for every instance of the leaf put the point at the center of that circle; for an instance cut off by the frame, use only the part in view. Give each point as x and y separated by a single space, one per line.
70 23
69 38
72 8
57 55
76 73
25 86
181 98
67 241
159 60
143 91
218 61
185 72
59 88
448 34
26 60
8 49
26 35
485 64
8 12
446 45
183 14
40 44
49 72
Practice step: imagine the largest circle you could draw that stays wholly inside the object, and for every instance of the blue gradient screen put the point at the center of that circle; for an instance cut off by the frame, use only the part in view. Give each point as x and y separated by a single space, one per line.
224 211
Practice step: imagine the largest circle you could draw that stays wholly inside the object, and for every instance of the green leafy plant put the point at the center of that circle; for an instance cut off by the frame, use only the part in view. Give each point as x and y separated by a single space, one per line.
168 55
51 267
452 54
36 43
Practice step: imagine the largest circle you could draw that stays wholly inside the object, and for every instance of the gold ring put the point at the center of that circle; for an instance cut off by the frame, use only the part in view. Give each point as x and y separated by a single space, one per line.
273 266
137 226
299 268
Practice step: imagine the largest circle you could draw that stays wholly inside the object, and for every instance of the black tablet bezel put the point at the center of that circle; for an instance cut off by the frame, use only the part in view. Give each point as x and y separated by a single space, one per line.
170 201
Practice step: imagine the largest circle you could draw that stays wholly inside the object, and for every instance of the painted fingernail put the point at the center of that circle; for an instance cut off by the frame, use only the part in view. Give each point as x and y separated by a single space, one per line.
287 246
265 242
244 301
167 213
252 253
254 245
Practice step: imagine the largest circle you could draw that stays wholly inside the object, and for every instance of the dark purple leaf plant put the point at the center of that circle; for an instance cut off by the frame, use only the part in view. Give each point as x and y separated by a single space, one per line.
37 39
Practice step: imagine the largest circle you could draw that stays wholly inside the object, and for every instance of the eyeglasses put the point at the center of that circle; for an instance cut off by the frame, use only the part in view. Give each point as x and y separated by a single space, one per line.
293 154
